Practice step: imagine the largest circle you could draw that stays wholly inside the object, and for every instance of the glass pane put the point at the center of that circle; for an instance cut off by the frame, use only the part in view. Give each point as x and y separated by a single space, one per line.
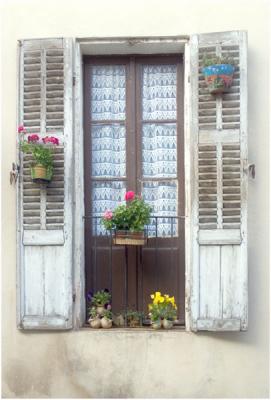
105 196
163 198
159 150
159 92
108 92
108 150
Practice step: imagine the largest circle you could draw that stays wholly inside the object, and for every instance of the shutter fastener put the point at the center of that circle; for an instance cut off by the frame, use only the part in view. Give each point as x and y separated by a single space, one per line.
14 173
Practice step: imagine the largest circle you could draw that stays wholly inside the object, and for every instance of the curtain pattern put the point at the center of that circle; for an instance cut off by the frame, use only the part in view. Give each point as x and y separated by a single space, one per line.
108 92
159 142
159 150
159 88
108 151
159 146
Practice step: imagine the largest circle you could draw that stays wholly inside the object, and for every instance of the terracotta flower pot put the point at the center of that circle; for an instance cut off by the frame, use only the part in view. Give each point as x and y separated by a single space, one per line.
106 323
130 238
167 324
41 174
95 322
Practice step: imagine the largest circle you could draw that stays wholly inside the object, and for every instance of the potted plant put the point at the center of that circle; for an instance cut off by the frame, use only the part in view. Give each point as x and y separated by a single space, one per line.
106 320
94 320
218 73
134 318
101 301
128 220
163 311
42 153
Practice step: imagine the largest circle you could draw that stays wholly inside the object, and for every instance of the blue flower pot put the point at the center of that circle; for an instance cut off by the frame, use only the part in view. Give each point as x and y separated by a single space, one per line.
218 77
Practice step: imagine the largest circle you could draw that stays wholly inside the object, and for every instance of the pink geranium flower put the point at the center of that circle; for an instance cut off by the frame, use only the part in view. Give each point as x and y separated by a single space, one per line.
108 215
21 128
33 138
129 195
50 139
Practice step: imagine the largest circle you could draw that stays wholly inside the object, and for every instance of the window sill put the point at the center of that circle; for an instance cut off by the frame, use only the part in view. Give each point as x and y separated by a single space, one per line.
180 328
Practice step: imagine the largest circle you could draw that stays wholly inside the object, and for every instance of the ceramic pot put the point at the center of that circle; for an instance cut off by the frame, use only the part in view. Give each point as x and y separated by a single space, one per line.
100 310
218 77
41 174
167 324
106 323
95 323
156 324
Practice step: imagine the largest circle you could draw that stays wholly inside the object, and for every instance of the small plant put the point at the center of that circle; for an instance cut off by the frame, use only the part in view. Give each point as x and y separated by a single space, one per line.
40 149
207 61
131 216
92 312
101 298
134 318
108 314
162 307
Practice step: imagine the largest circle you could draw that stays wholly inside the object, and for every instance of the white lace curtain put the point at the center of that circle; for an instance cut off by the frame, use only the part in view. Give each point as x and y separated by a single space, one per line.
159 141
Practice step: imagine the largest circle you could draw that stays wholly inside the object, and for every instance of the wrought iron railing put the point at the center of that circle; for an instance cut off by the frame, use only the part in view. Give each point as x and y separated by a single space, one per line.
165 245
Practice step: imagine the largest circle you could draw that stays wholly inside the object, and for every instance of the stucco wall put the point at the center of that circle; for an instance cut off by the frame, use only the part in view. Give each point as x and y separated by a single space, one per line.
140 364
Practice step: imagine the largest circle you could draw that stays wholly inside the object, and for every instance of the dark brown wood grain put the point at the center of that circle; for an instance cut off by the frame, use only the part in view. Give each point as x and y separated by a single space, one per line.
160 265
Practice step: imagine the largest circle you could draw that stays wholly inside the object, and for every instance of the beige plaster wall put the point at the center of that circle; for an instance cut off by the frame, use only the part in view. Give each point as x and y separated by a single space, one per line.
140 364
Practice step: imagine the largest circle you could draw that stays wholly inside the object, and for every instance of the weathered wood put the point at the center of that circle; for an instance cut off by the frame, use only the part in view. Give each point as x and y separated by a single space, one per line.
45 213
222 191
210 306
43 238
219 237
219 324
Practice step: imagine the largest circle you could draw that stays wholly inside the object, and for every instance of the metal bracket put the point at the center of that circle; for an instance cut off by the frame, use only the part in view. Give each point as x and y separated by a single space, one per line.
251 171
14 173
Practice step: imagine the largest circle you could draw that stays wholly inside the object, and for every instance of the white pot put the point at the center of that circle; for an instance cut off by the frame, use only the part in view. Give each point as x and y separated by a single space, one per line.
106 323
167 324
100 310
95 323
156 324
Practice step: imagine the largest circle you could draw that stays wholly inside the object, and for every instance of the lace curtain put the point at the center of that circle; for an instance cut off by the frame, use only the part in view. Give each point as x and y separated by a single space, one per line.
159 142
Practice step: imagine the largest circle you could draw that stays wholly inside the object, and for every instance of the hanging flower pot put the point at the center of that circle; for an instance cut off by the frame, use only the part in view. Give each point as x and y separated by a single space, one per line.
128 221
218 77
129 238
41 174
42 154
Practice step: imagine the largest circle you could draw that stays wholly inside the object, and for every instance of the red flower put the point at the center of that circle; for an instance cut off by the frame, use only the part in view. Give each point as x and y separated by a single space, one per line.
21 128
129 196
50 139
33 138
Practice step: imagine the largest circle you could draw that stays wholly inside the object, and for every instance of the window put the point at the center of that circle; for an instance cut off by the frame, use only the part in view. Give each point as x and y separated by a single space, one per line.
212 174
134 141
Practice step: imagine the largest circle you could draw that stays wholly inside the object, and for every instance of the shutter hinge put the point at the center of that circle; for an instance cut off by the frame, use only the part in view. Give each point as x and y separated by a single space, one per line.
188 78
73 80
73 297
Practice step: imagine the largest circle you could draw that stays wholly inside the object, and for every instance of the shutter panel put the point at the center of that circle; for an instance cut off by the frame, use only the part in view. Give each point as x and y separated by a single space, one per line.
219 205
44 271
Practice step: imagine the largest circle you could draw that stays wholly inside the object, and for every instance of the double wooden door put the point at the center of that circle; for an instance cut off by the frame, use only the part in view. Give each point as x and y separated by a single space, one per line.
133 123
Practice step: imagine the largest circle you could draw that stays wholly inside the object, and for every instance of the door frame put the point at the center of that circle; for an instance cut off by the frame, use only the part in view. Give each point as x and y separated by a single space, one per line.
105 46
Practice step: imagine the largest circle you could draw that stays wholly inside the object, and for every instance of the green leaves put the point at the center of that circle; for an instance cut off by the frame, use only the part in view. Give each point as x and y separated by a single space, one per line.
41 154
132 216
216 60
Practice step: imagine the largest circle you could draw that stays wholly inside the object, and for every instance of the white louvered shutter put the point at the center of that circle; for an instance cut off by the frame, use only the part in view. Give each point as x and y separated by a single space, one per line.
219 187
44 269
